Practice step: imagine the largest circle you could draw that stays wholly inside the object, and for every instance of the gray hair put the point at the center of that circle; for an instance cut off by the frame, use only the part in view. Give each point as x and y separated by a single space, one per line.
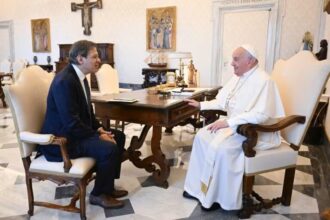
82 48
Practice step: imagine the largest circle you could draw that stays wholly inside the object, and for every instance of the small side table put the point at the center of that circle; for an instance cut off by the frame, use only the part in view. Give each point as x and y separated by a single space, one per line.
154 76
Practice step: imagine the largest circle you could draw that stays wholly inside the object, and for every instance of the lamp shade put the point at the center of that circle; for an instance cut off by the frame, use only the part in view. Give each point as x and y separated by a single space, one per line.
180 55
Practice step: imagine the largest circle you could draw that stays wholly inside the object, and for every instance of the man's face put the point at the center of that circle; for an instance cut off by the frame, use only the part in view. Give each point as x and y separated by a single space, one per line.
241 61
91 63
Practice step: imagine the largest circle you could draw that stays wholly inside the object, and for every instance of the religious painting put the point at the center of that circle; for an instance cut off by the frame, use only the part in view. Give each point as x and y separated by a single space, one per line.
161 28
40 35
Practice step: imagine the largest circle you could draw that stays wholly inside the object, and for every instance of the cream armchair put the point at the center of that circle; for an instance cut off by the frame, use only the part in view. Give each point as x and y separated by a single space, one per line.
18 66
27 102
108 83
300 80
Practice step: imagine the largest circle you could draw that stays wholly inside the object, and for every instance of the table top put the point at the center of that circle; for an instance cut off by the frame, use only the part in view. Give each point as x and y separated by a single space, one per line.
144 99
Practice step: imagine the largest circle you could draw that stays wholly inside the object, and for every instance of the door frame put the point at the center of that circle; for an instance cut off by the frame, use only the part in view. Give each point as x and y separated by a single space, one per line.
8 25
220 7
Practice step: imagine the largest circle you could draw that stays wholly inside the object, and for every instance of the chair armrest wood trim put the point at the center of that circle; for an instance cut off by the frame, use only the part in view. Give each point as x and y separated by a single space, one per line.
61 141
250 131
42 139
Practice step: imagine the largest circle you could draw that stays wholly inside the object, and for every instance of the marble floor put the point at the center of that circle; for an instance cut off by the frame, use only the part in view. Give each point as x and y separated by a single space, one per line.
146 201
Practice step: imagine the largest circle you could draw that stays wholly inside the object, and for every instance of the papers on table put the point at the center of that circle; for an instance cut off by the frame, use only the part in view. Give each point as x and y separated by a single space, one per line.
186 91
126 100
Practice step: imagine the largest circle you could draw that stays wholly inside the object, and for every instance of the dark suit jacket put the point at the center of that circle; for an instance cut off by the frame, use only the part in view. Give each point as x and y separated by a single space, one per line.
68 114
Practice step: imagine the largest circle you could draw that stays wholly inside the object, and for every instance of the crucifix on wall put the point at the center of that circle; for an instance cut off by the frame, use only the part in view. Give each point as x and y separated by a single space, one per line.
86 13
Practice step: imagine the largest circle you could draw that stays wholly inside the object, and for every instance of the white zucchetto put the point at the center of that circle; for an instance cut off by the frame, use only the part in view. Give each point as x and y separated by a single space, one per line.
252 51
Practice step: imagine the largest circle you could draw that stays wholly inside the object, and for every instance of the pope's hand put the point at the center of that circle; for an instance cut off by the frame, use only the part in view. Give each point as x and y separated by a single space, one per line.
193 103
219 124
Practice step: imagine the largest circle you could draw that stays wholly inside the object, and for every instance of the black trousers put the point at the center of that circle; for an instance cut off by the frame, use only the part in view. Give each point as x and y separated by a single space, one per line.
108 158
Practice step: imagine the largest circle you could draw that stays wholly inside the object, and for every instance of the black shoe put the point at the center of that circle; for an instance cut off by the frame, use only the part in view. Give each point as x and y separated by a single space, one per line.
188 196
213 207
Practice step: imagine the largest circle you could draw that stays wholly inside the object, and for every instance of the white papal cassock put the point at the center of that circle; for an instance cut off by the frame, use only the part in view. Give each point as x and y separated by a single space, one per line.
216 164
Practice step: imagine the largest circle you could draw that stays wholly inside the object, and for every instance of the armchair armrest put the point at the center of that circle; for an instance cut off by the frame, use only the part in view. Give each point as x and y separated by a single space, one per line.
42 139
250 131
45 139
125 90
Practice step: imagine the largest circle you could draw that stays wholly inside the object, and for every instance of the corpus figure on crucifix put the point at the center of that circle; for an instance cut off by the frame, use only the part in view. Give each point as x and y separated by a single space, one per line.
86 13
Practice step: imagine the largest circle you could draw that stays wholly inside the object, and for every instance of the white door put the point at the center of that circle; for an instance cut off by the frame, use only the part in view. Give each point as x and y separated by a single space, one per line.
6 39
244 22
239 28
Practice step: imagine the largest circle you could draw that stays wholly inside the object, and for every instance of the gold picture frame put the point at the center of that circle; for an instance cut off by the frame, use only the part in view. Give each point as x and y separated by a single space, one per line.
161 29
40 30
326 6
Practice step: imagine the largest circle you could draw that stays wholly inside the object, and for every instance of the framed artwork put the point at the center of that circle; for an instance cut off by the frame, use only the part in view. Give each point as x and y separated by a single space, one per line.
326 6
161 28
40 35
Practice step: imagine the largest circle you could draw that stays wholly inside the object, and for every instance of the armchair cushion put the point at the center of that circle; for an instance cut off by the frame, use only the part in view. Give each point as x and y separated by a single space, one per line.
80 166
272 159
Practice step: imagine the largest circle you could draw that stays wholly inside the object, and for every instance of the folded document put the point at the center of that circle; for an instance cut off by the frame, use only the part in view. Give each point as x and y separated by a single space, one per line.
127 100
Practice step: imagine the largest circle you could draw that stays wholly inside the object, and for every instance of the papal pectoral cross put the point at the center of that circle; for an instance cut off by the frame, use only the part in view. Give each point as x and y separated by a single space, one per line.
86 13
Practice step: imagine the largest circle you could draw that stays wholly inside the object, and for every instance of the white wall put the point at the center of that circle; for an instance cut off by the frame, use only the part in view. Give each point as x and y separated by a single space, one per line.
299 16
123 22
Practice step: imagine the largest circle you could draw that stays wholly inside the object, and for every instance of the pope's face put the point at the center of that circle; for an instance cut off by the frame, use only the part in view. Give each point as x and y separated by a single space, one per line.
241 61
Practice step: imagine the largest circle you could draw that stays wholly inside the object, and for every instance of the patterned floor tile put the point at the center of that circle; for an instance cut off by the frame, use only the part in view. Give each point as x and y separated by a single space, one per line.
260 180
302 216
65 192
11 145
18 217
126 210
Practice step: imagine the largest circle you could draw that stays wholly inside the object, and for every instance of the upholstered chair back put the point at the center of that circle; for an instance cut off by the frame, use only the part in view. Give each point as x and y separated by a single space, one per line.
27 101
18 66
300 80
107 79
326 97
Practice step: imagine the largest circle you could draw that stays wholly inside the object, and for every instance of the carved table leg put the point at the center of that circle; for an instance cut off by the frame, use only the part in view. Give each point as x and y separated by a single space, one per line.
162 171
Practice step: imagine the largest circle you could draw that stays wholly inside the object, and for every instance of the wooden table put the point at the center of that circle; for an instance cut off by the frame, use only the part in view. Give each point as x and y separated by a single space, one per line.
2 94
155 111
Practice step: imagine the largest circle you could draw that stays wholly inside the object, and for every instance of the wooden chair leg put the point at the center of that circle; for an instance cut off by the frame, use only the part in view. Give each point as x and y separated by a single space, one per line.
30 195
82 195
288 186
247 209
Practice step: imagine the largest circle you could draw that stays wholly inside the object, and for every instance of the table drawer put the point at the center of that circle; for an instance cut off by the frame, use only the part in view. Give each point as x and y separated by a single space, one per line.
181 112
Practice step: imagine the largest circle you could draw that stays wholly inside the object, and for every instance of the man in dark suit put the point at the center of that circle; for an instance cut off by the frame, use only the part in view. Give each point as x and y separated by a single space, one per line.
70 114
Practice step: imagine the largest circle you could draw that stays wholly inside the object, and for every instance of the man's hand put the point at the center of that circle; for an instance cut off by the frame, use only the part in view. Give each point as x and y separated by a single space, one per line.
219 124
193 103
106 135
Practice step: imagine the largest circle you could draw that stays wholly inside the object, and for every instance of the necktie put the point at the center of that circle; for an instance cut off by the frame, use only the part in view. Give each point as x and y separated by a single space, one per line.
88 93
